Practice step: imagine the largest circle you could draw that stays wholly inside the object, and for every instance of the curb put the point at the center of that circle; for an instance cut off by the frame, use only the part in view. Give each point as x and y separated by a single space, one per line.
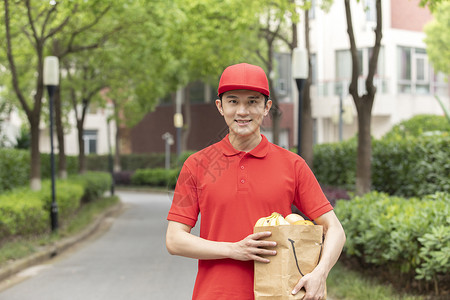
58 247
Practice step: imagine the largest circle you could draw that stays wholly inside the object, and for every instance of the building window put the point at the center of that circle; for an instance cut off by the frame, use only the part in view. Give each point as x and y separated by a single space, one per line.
413 71
371 10
280 74
312 10
344 69
90 141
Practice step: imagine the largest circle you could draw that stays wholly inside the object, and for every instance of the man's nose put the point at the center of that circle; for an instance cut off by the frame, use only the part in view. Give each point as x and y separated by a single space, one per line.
242 110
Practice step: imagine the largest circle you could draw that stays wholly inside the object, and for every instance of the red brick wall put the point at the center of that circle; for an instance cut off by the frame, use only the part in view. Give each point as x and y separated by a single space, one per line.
208 127
408 15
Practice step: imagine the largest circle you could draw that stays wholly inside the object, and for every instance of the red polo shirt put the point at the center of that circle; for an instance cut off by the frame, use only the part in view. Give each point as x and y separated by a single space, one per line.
232 190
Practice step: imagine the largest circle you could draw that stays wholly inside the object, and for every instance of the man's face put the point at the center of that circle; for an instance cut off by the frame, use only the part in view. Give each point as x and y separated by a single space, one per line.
243 111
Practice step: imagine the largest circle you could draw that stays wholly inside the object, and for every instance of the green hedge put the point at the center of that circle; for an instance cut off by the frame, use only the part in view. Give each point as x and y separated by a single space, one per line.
67 195
335 164
14 168
410 166
419 125
410 236
71 164
129 162
133 162
95 184
24 212
155 177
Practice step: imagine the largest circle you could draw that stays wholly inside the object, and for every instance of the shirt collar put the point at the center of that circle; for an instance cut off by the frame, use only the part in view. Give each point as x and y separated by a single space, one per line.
259 151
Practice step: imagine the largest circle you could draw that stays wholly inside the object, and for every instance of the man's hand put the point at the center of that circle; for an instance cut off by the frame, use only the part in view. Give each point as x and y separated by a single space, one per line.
314 285
252 248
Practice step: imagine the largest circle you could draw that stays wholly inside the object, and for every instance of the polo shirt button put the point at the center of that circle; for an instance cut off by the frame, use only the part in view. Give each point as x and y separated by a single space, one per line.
242 181
242 167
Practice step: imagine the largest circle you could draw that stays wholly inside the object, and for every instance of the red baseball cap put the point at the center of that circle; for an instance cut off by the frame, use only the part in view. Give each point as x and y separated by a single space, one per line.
244 77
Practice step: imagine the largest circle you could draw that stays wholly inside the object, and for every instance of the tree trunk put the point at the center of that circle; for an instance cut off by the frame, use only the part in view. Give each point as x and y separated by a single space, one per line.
307 120
275 115
187 119
275 112
34 118
364 153
117 165
81 153
35 170
364 103
62 165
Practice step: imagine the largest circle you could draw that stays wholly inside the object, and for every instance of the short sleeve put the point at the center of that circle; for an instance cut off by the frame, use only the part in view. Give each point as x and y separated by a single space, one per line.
309 197
185 208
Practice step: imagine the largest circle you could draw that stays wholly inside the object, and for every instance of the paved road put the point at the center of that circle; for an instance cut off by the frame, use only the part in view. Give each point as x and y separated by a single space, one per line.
127 262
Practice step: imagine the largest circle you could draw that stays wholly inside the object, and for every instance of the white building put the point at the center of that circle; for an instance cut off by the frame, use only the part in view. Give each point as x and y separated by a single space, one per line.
95 134
406 83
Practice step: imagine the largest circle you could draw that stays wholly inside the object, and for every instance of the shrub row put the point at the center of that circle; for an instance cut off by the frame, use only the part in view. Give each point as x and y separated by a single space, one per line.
410 236
24 212
15 166
132 162
410 166
155 177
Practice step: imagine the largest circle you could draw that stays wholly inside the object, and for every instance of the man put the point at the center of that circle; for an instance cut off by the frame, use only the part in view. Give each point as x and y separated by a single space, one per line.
235 182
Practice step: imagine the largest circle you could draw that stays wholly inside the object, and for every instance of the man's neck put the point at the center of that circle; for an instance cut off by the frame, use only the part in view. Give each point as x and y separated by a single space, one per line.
245 143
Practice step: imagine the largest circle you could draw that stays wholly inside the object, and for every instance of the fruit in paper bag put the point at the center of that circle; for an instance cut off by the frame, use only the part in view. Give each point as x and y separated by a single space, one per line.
292 218
276 219
304 222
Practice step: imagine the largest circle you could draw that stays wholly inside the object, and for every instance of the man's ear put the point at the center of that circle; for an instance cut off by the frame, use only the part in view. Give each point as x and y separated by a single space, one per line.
219 106
267 108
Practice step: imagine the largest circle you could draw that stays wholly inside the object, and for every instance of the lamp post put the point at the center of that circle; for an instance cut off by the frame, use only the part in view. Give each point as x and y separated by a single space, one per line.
178 120
168 138
51 80
300 70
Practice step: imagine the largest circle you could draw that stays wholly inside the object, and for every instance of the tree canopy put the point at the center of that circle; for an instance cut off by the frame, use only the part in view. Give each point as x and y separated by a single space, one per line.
438 38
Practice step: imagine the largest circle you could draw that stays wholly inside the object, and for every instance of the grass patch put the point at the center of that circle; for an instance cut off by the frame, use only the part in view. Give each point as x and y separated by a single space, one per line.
21 247
346 284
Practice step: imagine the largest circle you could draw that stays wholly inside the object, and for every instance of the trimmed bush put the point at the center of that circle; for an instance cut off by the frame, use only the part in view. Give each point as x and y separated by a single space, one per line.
419 125
67 194
95 184
71 164
335 164
155 177
412 166
409 236
14 168
22 213
132 162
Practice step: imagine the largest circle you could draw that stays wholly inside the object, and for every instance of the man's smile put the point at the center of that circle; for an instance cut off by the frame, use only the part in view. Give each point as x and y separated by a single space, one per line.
243 122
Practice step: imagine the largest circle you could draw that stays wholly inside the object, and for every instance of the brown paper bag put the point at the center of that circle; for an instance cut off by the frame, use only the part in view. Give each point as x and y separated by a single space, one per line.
298 252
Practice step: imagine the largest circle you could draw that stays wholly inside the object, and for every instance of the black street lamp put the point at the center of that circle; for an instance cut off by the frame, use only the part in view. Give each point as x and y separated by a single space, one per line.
51 80
300 69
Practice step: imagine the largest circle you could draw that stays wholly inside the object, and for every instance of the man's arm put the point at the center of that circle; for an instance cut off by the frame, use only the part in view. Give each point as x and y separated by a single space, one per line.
314 282
180 241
